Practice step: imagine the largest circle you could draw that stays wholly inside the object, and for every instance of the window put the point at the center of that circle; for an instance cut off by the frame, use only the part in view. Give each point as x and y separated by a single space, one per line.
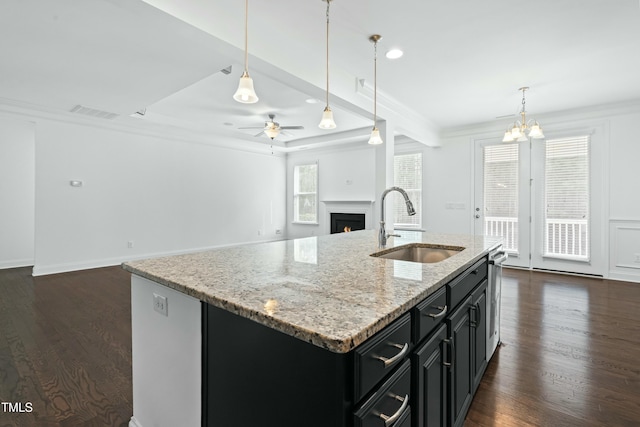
407 174
566 199
305 193
501 193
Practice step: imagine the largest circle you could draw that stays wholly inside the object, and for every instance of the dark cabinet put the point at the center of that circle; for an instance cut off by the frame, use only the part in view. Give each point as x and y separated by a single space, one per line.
468 334
420 371
430 386
390 403
479 332
460 378
450 362
379 356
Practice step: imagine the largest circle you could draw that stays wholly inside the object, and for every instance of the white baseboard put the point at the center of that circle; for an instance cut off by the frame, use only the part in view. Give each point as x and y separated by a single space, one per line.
134 423
625 277
41 270
15 263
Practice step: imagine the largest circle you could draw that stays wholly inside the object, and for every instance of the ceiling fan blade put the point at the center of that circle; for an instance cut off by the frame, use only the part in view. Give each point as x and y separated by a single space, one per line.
291 127
259 134
252 127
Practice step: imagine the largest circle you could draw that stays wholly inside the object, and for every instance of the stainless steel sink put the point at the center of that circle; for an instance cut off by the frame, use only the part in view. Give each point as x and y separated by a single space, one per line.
419 252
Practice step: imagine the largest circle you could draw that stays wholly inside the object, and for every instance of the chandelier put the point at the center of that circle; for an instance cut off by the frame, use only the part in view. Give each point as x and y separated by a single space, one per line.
522 129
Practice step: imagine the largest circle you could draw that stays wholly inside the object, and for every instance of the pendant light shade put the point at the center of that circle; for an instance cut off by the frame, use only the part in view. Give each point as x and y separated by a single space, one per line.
327 121
246 93
375 138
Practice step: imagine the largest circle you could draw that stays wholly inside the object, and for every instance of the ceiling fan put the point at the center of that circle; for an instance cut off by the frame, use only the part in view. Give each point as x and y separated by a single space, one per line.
272 128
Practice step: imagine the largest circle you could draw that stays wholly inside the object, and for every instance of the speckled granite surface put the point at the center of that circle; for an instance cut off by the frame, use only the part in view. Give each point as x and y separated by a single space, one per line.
326 290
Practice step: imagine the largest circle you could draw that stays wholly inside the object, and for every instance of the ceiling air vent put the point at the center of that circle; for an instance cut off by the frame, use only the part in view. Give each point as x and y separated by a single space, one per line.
93 112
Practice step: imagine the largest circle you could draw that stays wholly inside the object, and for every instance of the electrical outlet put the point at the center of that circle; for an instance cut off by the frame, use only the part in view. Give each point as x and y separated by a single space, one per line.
637 258
160 304
278 231
130 244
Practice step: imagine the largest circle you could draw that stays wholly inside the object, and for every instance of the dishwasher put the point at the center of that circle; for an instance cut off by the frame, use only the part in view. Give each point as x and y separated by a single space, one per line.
496 258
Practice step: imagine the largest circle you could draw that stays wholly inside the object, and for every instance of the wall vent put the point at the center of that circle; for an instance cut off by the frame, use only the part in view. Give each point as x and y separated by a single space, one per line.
93 112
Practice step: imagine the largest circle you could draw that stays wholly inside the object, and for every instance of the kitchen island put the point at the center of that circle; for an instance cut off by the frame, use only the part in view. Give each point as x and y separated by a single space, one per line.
203 326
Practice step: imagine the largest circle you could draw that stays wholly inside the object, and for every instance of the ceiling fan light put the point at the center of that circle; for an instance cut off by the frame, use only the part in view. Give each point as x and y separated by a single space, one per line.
375 138
507 136
245 93
327 121
272 132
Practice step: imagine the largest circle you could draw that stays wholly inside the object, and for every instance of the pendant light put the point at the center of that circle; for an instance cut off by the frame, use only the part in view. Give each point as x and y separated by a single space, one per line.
522 130
327 121
375 133
245 93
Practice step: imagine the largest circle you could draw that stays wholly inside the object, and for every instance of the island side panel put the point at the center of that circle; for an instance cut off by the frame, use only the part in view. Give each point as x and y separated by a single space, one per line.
166 357
258 376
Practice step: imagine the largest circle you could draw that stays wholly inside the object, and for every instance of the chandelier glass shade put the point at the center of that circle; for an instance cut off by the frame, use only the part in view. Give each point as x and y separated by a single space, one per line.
523 129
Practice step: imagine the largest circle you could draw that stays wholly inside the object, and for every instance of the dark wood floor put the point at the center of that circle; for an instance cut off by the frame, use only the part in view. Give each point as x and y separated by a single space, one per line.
65 346
570 353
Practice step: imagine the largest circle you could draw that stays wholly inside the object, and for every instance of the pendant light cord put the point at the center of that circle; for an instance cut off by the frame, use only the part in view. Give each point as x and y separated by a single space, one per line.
328 3
375 84
246 36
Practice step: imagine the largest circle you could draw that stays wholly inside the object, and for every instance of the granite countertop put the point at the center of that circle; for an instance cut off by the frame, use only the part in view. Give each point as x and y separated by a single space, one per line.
325 290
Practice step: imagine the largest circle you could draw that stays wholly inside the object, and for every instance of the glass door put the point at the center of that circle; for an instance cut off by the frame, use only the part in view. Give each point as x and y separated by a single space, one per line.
544 198
502 196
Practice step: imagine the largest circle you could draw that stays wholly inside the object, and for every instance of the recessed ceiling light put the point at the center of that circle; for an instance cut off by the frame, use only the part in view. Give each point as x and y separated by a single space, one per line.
311 101
394 53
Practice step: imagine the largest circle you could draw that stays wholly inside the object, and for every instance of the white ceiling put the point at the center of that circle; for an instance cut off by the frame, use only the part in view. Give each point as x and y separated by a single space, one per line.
464 60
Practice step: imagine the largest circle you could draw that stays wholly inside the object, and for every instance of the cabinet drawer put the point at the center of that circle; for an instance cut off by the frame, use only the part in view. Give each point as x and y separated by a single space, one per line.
389 405
377 357
429 313
462 285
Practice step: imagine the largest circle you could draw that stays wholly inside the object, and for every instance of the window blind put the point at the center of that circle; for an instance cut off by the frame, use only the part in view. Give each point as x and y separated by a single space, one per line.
407 174
501 193
305 193
566 188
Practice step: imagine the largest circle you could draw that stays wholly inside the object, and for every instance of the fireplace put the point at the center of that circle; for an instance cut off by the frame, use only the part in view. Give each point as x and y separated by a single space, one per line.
343 222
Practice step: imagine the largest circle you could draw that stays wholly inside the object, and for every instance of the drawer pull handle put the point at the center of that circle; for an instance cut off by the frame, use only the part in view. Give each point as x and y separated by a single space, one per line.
391 360
389 420
443 311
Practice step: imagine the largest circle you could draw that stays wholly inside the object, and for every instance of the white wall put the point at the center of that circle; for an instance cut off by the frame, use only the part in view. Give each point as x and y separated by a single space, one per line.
448 178
17 189
344 174
164 195
624 205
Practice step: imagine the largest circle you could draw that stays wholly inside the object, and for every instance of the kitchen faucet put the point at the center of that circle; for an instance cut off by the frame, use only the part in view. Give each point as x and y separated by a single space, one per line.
382 235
